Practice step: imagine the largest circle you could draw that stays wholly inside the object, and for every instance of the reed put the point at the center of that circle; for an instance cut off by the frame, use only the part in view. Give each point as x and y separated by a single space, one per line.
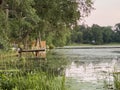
116 80
25 74
30 81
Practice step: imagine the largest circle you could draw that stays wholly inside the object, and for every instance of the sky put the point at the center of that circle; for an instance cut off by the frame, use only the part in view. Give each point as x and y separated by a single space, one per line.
106 13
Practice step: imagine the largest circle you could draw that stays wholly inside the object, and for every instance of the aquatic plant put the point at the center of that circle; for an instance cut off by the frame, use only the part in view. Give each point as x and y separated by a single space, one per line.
30 81
30 74
117 80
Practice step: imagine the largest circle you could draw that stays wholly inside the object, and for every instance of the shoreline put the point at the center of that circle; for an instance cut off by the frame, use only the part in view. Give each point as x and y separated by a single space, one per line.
89 47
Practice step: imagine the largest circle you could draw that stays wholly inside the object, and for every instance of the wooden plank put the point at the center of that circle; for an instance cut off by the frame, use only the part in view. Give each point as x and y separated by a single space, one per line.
37 50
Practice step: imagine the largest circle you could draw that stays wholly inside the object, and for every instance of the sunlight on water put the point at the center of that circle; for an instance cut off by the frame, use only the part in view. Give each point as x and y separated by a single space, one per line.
91 69
90 72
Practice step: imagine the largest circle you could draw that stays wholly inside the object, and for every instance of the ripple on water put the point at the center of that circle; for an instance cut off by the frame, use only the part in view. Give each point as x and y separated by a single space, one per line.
90 68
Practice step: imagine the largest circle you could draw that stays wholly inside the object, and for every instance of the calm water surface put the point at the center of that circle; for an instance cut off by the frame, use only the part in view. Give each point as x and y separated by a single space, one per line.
90 69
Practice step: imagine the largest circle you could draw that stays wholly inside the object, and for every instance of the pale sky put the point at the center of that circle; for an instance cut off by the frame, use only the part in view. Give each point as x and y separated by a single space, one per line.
106 13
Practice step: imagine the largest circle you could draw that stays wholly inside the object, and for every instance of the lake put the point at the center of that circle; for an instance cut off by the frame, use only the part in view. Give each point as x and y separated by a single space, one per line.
84 68
90 68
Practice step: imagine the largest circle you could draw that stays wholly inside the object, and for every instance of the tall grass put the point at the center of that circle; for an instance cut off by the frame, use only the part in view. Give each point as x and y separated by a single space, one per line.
117 80
30 74
30 81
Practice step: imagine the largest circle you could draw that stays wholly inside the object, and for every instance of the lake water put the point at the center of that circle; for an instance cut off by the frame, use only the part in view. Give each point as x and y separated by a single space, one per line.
91 68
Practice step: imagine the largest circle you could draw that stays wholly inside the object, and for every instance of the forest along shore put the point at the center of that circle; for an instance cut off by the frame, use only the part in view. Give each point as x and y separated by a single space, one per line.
88 47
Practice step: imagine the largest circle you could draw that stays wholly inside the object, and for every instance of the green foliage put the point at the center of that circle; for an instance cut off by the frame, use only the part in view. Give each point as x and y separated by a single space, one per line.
32 73
24 19
107 34
3 34
117 32
77 37
58 16
34 81
95 34
116 81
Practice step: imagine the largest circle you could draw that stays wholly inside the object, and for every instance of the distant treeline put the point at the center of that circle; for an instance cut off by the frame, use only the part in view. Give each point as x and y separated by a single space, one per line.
95 34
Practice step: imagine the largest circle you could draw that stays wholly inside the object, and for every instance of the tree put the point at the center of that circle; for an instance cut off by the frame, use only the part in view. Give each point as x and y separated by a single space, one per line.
117 32
97 34
60 13
107 34
24 19
87 35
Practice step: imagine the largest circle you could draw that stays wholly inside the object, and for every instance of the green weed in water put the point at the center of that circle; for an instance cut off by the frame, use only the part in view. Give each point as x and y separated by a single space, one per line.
116 81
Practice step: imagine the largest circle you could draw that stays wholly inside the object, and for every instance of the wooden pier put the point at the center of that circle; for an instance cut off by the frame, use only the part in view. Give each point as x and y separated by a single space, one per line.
38 49
37 52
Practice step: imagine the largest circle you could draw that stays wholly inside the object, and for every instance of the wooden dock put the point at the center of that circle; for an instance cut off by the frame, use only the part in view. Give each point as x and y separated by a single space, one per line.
37 52
38 48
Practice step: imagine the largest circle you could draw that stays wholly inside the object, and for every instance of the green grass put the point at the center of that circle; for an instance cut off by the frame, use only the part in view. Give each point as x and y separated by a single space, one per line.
76 44
116 81
109 44
116 44
30 73
30 81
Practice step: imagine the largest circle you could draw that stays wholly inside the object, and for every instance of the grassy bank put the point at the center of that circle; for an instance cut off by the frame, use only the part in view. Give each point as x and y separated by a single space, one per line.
30 81
110 44
30 73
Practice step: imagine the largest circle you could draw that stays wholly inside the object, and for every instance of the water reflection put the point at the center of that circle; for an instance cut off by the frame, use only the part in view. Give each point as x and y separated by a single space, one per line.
93 73
90 69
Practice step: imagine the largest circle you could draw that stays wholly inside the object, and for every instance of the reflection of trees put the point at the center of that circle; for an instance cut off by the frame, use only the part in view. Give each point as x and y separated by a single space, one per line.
55 64
79 63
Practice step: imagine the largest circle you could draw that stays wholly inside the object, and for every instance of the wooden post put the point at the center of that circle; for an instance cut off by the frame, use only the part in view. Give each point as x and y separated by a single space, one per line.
39 40
19 51
36 53
1 1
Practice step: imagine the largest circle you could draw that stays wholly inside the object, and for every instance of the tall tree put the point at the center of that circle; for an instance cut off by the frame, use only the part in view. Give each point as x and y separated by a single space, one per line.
107 34
24 19
21 21
97 34
117 32
64 14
